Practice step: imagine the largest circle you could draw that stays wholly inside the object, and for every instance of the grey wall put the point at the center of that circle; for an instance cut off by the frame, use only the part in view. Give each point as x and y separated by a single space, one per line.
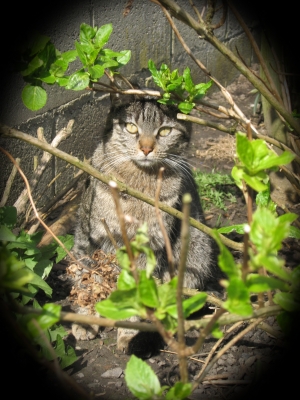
145 32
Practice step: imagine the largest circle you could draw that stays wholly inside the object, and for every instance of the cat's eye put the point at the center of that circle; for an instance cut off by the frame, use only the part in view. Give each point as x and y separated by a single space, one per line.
164 132
131 128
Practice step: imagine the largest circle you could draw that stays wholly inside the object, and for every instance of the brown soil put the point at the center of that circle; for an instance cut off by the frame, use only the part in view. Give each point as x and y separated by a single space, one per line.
238 373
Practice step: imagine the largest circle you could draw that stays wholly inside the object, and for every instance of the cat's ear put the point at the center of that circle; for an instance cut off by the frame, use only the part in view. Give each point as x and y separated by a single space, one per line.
118 99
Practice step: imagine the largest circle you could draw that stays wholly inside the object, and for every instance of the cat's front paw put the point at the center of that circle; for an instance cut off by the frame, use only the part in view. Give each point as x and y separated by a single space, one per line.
84 332
142 344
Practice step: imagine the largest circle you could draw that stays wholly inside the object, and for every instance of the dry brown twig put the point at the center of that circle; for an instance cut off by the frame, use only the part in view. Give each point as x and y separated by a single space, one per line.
9 183
22 200
28 190
161 225
14 133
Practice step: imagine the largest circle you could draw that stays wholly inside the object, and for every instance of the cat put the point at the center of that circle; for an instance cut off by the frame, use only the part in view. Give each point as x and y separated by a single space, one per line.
140 137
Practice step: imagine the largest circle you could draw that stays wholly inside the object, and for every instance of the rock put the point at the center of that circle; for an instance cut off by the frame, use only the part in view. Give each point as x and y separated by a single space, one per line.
113 373
250 361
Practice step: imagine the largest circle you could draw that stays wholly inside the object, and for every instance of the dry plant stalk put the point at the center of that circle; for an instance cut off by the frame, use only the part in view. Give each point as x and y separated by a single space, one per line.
21 202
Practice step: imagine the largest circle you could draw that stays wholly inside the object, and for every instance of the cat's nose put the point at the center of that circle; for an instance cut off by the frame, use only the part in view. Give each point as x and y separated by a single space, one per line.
146 150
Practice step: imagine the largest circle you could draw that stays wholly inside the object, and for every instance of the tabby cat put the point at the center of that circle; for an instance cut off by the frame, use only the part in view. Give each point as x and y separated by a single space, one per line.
141 136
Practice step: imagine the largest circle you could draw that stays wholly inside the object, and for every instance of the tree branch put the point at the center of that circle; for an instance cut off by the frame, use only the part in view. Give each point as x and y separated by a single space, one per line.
14 133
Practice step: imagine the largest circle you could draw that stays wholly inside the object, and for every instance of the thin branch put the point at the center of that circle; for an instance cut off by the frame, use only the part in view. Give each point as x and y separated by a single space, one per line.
121 217
257 52
205 371
204 31
162 226
9 183
21 202
217 344
109 234
229 319
184 240
236 111
35 210
223 18
207 330
14 133
214 125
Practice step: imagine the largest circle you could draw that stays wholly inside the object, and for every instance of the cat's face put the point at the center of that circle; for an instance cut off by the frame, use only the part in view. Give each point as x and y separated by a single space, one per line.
148 134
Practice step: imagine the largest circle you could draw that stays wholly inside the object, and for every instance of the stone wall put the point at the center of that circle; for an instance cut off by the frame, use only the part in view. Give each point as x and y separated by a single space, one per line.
146 33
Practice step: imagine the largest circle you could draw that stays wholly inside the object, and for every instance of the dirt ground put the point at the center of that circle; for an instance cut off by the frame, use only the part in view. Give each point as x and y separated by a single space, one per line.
253 363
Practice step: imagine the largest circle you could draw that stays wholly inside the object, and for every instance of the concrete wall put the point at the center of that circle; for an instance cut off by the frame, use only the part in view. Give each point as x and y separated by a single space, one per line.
145 32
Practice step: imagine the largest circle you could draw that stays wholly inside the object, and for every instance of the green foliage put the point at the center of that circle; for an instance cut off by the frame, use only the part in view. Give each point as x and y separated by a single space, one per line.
177 86
214 189
137 298
41 63
144 384
23 268
254 159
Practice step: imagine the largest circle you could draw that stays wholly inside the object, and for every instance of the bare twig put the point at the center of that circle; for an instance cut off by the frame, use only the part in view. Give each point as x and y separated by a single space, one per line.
214 125
35 210
14 133
203 30
205 371
228 319
255 47
184 240
109 234
207 329
217 344
115 194
161 224
20 204
9 184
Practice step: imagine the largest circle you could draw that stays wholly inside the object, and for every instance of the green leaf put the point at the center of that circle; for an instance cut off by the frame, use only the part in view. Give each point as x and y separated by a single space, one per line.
227 229
286 322
147 291
6 234
225 258
87 32
259 283
179 391
124 58
273 265
188 82
121 304
287 301
8 216
123 258
126 281
69 56
56 330
294 232
167 293
194 304
81 53
141 379
39 283
68 241
186 107
102 35
66 354
57 69
78 81
238 298
155 74
43 268
96 71
32 66
34 97
216 332
37 43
